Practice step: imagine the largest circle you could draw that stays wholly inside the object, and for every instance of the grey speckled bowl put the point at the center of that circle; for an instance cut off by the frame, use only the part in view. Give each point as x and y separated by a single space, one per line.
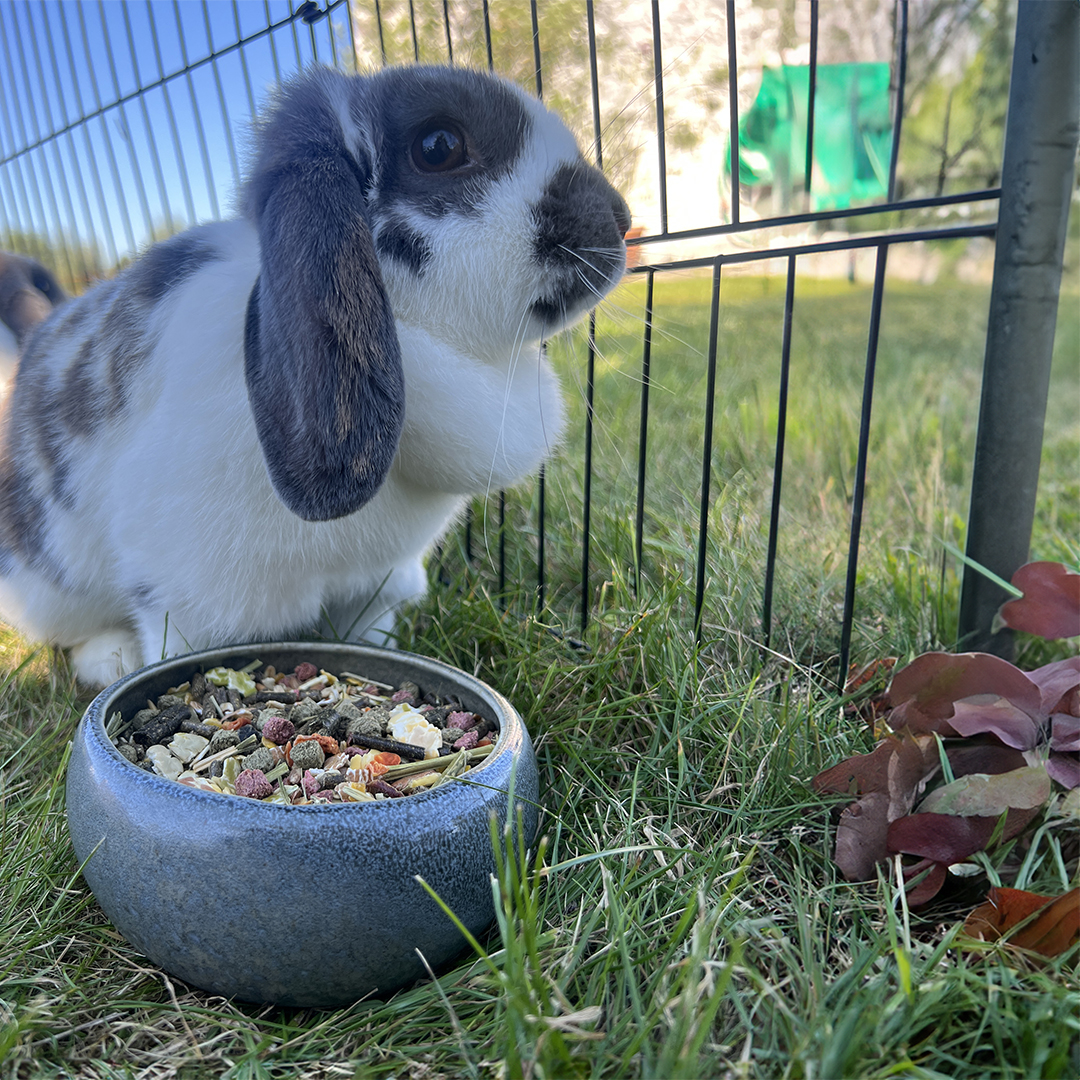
302 905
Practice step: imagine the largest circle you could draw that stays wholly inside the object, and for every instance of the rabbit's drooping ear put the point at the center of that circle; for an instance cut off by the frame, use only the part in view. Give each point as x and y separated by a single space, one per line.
28 292
322 360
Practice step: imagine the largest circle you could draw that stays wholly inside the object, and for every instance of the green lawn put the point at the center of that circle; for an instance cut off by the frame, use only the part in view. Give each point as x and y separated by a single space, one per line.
723 943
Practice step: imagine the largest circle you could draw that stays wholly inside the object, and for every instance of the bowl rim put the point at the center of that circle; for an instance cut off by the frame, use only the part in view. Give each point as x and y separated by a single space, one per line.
513 735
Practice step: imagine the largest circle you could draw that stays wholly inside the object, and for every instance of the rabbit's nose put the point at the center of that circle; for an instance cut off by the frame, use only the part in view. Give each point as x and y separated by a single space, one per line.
622 214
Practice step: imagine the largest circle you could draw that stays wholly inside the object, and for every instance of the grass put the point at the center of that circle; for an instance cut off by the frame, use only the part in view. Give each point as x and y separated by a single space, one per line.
681 916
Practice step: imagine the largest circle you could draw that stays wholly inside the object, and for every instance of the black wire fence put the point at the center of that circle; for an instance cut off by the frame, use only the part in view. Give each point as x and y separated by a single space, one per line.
121 123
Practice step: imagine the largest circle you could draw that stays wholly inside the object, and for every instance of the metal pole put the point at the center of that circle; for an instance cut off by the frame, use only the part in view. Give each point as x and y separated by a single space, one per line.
1036 187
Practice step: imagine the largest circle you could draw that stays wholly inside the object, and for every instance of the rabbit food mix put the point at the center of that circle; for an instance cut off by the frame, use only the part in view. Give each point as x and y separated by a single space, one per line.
302 737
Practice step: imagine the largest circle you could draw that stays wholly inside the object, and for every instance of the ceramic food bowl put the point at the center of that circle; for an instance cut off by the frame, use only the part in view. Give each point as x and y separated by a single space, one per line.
296 905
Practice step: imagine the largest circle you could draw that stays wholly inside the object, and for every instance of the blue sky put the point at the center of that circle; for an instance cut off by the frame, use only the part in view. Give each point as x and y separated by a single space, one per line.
108 165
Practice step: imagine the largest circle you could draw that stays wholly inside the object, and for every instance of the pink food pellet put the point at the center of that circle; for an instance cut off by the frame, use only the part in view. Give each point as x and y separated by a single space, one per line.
311 783
252 784
278 729
306 671
462 720
467 741
402 695
381 787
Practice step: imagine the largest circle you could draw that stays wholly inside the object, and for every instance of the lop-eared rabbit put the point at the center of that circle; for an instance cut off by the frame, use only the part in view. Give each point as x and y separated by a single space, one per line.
258 429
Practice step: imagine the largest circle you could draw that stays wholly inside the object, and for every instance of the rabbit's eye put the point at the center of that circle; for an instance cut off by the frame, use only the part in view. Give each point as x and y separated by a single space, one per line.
439 148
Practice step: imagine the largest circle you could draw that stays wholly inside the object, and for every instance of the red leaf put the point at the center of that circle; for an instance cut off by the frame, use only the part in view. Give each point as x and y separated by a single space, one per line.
1057 683
894 765
1065 769
860 836
982 756
948 839
989 714
924 693
1064 732
1050 606
930 886
942 837
1054 925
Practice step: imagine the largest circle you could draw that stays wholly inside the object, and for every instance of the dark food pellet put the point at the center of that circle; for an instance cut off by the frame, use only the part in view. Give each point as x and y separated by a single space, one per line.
162 726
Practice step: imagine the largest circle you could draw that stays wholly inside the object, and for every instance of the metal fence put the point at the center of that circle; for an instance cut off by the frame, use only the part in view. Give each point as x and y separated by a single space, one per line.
120 123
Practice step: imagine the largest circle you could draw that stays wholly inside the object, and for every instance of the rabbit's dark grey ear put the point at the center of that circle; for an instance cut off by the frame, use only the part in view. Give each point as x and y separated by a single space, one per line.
28 293
322 360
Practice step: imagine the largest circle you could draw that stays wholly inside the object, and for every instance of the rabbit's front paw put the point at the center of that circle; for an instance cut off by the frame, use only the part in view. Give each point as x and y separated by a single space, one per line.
106 657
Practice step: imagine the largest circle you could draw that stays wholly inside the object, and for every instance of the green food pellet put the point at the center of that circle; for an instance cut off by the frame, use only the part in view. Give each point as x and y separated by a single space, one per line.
307 755
261 759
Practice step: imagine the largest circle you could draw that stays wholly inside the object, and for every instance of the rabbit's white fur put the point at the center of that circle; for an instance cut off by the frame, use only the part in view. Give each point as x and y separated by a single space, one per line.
163 531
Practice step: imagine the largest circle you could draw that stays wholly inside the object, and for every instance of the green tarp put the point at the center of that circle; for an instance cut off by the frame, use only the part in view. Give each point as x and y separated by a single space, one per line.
852 134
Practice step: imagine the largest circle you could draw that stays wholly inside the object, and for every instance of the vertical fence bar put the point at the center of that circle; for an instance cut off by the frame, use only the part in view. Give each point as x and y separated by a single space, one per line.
858 495
1036 188
446 25
733 110
140 186
898 108
661 141
91 157
382 35
155 157
590 365
643 429
79 185
778 464
536 48
487 37
412 30
812 97
178 145
706 450
586 520
541 534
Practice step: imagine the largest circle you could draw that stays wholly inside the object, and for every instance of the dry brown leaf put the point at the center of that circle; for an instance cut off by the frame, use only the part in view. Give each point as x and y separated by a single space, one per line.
1048 925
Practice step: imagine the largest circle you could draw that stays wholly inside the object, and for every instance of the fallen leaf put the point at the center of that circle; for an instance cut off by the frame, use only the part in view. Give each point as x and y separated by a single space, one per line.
1050 606
898 762
922 892
944 838
981 795
861 835
1058 685
887 782
982 755
1053 928
1068 806
1064 732
1065 769
876 669
924 693
983 714
947 838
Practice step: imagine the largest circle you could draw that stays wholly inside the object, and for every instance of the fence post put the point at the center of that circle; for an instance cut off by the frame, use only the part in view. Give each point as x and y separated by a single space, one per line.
1036 187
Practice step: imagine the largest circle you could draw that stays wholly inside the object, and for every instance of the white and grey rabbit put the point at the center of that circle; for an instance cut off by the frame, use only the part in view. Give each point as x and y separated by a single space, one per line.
28 293
259 428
